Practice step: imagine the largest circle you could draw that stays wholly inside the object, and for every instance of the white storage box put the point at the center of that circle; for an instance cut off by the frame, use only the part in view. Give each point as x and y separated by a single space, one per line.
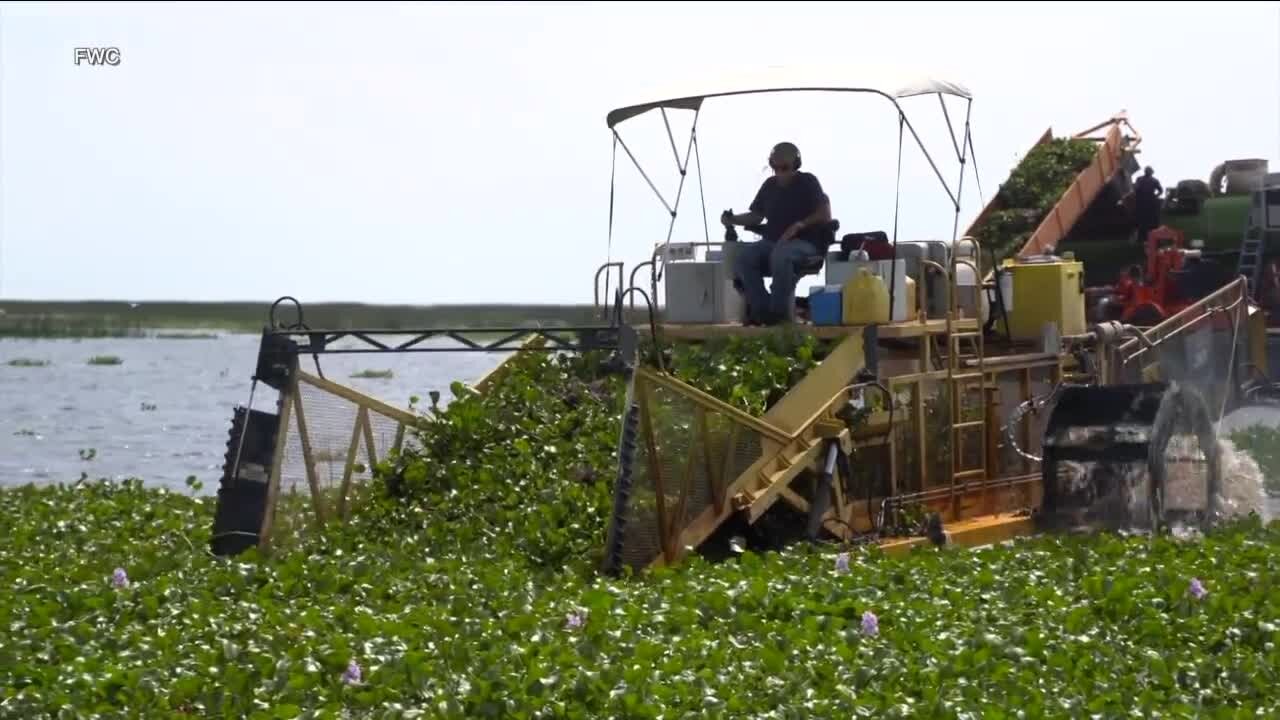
702 292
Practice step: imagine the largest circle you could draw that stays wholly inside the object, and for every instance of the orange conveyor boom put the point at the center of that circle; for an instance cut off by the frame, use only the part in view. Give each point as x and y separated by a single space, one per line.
1082 191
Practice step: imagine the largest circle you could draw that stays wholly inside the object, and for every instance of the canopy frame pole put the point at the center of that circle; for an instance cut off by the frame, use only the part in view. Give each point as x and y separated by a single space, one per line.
897 197
977 177
950 129
681 102
671 136
643 174
613 174
920 144
964 150
902 116
666 253
706 229
955 225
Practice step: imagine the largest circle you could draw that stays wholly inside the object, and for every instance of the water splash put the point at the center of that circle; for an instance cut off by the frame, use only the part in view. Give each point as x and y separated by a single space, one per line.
1121 491
1242 483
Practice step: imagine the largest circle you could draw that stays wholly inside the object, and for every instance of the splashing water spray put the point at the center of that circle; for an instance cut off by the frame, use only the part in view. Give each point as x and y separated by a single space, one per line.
1137 458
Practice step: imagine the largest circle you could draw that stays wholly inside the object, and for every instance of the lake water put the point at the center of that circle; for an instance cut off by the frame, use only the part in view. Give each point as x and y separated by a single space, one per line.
164 413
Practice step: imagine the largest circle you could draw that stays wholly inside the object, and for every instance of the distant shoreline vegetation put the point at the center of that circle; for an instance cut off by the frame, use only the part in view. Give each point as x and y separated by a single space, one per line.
178 320
374 374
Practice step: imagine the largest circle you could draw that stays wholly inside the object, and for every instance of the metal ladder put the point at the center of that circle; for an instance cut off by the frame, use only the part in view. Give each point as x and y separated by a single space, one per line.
1251 255
961 379
1261 224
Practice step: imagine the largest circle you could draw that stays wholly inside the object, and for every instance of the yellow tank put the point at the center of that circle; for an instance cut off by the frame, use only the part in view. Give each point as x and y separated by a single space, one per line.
911 300
866 299
1044 291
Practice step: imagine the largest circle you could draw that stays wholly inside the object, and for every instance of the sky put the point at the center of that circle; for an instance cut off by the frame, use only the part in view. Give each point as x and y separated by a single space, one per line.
442 153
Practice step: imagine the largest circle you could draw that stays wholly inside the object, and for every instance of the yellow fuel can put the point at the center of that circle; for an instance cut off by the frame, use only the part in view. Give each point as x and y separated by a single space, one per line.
866 299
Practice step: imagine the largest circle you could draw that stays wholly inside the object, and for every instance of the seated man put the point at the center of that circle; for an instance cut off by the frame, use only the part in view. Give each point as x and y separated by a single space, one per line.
797 212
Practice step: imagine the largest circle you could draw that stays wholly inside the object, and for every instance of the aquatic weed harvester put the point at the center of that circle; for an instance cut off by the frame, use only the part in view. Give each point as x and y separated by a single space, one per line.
978 408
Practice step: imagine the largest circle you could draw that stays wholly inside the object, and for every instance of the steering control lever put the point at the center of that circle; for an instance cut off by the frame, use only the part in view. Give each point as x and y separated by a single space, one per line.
730 233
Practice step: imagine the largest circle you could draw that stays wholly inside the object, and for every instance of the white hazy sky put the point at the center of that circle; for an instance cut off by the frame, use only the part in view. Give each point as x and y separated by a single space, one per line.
445 153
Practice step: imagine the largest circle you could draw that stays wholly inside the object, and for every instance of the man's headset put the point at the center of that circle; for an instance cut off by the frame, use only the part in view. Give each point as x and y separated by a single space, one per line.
784 148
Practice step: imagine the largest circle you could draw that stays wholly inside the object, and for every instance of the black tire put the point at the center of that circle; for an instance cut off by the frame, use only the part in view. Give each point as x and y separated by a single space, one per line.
1183 410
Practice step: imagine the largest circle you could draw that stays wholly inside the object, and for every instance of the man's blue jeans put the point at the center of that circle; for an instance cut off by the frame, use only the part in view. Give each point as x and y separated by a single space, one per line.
757 260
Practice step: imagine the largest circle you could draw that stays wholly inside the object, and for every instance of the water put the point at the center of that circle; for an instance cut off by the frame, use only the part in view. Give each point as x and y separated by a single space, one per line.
1248 416
48 415
1240 473
1242 485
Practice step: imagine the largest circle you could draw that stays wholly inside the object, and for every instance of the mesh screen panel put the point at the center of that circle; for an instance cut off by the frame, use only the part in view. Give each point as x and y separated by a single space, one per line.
330 421
686 454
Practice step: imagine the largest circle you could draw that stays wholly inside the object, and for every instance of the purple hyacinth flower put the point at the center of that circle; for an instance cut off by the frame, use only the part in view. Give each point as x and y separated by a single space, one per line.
119 579
352 674
870 624
842 562
573 621
1197 589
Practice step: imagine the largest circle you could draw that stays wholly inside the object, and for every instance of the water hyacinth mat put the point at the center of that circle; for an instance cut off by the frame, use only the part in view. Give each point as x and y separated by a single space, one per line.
466 586
114 609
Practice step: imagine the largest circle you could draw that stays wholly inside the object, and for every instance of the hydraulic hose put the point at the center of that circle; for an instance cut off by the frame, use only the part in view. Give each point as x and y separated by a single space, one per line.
1034 405
1106 333
888 398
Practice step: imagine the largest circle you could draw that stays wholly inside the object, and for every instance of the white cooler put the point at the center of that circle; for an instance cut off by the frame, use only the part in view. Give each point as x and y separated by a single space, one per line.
701 291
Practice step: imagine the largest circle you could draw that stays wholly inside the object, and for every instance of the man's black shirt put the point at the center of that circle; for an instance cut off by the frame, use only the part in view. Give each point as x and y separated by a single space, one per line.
1146 191
783 206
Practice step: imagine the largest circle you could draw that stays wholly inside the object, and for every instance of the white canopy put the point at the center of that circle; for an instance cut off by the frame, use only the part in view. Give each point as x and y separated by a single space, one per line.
892 84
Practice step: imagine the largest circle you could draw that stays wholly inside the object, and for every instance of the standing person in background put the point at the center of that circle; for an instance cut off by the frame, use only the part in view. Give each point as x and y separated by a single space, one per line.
1147 193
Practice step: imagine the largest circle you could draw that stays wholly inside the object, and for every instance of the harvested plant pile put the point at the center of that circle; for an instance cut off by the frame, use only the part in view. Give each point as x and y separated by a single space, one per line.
524 470
470 591
547 436
1031 191
749 373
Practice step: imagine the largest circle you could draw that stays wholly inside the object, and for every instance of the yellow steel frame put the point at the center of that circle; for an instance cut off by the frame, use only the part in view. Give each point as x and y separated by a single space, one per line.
973 532
792 432
977 510
791 427
293 419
